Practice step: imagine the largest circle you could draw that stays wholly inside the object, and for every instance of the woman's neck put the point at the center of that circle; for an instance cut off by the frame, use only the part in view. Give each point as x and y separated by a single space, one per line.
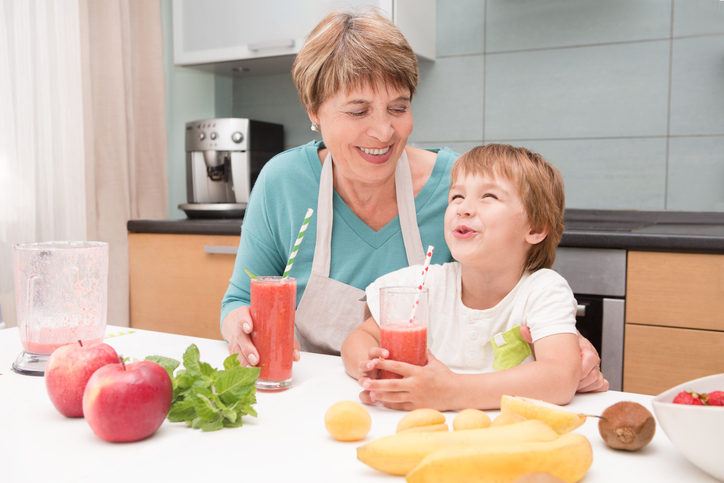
376 203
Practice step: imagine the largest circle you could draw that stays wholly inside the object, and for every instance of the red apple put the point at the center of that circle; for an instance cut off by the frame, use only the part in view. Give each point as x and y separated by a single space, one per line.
127 402
67 372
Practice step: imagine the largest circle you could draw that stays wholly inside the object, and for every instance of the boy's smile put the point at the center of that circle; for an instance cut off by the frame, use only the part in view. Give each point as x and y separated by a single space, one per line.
486 226
463 231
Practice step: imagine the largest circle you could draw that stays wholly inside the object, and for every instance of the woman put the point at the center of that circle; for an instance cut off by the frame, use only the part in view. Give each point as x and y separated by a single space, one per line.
377 201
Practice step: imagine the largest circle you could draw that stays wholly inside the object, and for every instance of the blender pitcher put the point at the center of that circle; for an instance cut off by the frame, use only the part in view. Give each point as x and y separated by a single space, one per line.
61 292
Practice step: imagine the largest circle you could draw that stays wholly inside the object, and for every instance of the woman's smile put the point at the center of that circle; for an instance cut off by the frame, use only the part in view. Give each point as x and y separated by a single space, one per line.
366 130
376 152
376 155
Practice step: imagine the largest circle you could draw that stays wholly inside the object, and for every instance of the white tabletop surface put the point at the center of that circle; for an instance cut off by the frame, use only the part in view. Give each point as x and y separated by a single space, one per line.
287 442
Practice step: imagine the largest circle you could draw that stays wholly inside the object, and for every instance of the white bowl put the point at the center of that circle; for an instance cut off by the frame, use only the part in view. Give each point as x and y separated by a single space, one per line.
697 431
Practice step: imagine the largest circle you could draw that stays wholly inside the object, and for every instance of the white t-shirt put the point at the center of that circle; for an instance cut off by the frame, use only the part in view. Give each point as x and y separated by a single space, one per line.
461 337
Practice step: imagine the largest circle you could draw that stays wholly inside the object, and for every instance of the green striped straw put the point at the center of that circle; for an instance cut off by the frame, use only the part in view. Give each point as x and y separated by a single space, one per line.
305 224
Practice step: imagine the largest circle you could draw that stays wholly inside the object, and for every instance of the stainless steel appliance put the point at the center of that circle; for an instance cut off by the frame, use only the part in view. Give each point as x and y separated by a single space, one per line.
598 280
223 159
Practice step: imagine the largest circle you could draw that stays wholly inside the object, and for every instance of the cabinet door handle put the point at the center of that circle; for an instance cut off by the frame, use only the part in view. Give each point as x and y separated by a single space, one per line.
220 250
581 311
272 44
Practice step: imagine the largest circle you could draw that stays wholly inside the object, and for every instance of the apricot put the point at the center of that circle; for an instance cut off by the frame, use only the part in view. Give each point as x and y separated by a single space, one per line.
347 421
422 418
504 419
471 419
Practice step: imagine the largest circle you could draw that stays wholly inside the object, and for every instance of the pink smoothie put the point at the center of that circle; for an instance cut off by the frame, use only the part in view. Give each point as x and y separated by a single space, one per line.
406 343
47 339
273 304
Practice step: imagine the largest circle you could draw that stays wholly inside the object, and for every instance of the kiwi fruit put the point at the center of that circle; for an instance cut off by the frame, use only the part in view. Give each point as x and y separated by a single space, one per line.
627 425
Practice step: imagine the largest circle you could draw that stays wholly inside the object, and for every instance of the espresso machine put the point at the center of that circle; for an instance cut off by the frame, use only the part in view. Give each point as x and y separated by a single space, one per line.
223 159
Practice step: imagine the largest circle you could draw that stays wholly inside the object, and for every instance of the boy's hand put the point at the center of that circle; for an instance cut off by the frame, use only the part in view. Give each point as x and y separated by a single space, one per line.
421 386
592 379
368 369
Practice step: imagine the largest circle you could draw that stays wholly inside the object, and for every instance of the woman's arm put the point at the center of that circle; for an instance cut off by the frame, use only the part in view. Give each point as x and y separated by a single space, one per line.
552 377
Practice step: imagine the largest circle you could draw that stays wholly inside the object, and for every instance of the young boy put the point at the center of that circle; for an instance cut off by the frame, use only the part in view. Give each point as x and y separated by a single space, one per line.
503 223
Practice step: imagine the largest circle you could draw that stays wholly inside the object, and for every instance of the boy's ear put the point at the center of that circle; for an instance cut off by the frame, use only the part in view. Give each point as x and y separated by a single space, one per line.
536 235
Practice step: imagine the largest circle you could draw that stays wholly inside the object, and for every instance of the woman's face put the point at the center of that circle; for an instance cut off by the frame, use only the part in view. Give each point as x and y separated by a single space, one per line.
366 131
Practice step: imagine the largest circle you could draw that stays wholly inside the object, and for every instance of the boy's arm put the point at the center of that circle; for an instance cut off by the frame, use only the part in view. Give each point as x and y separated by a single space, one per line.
552 377
592 379
356 346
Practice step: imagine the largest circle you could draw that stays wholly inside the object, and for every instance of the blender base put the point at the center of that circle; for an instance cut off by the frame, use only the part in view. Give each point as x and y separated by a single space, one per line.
30 364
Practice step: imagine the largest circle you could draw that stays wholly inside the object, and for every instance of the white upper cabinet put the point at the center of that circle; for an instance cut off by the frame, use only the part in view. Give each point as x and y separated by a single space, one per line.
255 37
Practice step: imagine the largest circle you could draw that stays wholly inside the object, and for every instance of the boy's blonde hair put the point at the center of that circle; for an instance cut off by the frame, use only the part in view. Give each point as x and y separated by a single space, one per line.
540 186
349 50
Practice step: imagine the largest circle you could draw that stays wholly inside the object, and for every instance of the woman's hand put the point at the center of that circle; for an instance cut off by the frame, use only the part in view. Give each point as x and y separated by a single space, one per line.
236 329
426 386
592 379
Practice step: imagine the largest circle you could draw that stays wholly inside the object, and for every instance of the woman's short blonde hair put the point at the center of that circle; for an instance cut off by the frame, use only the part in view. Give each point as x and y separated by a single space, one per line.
540 186
353 49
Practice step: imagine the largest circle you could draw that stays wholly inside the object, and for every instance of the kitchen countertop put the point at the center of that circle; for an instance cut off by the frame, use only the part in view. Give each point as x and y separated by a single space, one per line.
700 232
287 442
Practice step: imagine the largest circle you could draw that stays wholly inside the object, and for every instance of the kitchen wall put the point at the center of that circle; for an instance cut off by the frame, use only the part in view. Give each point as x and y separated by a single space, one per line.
626 97
191 95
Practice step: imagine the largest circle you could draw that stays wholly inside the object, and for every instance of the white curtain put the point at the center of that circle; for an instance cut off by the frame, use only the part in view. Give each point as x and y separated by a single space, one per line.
82 129
42 163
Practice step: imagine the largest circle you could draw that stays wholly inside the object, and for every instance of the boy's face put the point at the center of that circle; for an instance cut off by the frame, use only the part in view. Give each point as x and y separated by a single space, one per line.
486 226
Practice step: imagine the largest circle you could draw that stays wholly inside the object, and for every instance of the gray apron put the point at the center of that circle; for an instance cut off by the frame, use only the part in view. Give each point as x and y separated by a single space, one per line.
329 309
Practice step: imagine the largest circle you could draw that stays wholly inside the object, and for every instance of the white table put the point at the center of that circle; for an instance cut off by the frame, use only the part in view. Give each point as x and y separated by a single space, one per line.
287 442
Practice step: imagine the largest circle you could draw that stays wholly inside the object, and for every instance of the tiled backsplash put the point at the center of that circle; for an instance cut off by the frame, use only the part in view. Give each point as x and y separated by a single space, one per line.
626 97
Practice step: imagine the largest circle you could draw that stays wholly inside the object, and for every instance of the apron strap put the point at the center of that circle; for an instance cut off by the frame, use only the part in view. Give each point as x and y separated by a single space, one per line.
323 248
405 208
407 212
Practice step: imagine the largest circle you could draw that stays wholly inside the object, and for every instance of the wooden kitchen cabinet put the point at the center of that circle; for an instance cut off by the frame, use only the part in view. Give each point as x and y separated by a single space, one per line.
659 358
176 285
674 319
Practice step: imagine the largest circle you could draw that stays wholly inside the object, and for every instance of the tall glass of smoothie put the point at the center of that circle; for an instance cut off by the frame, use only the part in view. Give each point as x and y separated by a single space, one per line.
273 303
61 294
403 325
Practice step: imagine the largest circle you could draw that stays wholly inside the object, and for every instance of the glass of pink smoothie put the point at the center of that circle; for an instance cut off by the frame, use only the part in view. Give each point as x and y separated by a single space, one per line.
403 325
273 303
61 294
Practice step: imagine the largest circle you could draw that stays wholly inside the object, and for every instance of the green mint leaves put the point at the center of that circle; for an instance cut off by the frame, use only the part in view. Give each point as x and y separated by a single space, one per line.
207 398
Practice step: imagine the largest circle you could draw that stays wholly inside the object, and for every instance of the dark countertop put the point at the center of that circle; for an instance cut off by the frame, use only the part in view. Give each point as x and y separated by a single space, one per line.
699 232
187 226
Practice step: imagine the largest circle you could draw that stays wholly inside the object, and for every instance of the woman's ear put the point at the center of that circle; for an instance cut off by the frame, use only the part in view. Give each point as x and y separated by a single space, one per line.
536 235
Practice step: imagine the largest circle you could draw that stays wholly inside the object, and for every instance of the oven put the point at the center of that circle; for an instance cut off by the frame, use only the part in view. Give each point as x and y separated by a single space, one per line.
598 280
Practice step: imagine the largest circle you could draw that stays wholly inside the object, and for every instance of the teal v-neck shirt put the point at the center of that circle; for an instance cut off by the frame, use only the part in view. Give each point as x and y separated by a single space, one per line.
287 186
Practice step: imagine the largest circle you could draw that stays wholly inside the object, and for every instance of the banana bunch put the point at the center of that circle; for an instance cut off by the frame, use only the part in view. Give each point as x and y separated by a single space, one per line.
486 455
567 457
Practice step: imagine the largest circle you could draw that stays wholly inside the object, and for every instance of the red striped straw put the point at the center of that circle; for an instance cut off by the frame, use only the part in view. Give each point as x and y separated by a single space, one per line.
421 283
